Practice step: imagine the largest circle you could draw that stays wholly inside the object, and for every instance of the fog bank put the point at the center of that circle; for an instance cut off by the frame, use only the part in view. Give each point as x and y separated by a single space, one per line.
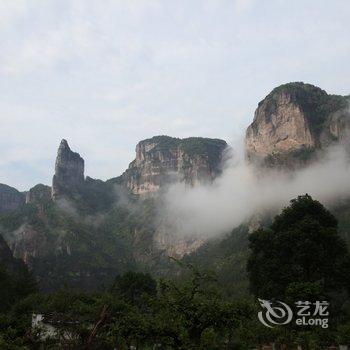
238 193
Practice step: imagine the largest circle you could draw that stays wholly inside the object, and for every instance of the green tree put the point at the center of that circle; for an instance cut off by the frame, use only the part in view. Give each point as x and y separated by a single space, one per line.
14 286
300 253
131 286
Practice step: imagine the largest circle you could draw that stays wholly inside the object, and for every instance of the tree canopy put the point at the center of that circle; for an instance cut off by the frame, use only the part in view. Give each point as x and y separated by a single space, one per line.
301 252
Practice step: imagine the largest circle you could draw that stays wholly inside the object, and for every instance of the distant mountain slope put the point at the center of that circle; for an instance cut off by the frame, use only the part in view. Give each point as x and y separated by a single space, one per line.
58 233
226 257
10 198
82 232
7 261
15 280
294 121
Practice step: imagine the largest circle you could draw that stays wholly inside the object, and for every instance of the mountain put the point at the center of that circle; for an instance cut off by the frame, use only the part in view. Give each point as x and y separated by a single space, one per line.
293 122
293 125
39 195
82 231
10 198
162 160
57 231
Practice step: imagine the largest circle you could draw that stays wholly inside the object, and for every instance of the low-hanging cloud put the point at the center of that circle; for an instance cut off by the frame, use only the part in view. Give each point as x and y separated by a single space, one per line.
239 193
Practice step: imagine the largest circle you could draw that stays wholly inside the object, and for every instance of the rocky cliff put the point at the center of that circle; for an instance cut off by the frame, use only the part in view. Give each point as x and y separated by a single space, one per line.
39 194
69 171
7 261
294 121
161 160
10 198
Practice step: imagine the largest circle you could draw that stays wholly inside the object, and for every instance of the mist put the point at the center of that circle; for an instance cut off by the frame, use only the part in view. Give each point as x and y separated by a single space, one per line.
240 192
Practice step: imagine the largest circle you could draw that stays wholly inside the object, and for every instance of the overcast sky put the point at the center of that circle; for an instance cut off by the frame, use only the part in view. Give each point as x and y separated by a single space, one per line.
107 74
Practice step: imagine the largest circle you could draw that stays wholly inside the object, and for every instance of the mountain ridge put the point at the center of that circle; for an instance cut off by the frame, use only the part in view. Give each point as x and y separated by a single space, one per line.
83 230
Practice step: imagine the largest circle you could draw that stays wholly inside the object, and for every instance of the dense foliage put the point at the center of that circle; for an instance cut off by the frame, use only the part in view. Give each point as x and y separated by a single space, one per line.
301 246
164 315
101 234
302 257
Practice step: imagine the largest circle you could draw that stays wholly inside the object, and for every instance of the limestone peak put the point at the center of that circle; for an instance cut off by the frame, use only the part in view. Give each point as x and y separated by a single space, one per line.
69 171
294 120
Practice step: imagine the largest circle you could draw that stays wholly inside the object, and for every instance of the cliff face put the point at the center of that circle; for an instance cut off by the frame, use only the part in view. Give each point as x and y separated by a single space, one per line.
27 243
69 171
172 245
162 160
10 198
39 194
293 121
14 268
7 261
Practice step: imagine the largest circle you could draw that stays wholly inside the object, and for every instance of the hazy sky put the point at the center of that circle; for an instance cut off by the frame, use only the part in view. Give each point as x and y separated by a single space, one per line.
106 74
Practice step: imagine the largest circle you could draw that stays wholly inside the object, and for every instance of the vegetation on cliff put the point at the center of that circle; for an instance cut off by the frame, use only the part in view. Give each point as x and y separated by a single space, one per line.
315 102
191 145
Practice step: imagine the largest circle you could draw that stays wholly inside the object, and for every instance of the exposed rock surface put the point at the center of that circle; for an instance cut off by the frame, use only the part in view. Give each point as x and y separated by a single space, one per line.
39 194
162 160
7 261
27 243
177 247
69 171
10 198
293 121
